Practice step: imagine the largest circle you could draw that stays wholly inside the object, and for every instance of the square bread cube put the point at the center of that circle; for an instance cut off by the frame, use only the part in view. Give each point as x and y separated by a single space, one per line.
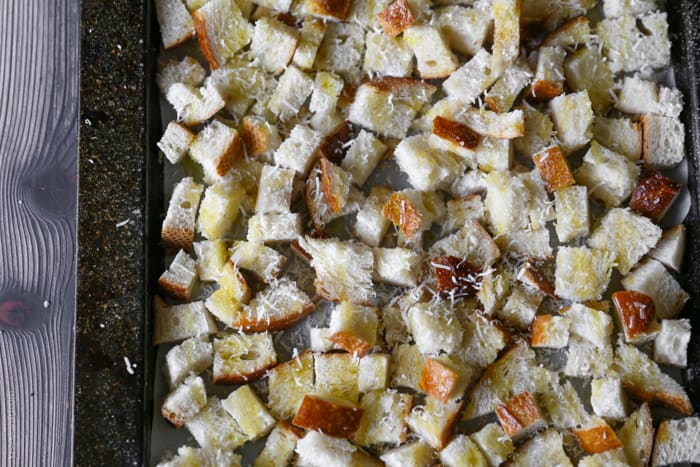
354 328
396 18
384 419
195 105
186 71
465 29
494 443
288 383
574 32
173 323
506 207
275 189
549 444
425 164
471 79
671 344
211 258
370 223
406 366
293 88
639 96
670 249
597 436
501 96
363 155
609 176
337 376
654 195
587 69
226 302
179 223
279 306
433 328
608 399
434 59
185 401
379 111
327 89
621 135
216 148
250 413
572 116
548 82
399 62
239 358
462 210
191 356
176 25
636 315
264 262
418 453
179 279
664 141
333 417
456 137
506 32
215 429
462 451
298 150
553 168
446 379
219 210
311 36
341 50
584 358
520 416
274 227
397 266
582 273
327 10
537 133
563 405
273 44
433 422
520 307
652 278
571 205
637 436
222 30
279 446
373 372
549 331
175 142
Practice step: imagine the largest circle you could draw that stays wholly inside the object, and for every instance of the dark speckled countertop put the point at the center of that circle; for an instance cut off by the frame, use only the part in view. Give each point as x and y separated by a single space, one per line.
109 389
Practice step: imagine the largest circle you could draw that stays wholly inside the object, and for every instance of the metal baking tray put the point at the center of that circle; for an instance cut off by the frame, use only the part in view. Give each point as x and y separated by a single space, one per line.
684 22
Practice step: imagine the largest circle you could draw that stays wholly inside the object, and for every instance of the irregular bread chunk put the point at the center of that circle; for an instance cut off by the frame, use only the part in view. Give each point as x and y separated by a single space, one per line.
179 279
239 358
185 401
173 323
652 278
676 442
179 223
221 30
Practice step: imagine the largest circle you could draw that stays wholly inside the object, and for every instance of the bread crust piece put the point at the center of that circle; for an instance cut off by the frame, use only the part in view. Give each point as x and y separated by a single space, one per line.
543 90
401 212
252 321
519 416
438 380
553 168
329 187
396 18
654 195
637 315
597 438
334 146
330 417
329 8
457 278
455 133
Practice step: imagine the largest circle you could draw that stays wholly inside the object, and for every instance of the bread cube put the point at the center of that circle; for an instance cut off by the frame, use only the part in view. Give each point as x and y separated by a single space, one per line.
335 184
373 373
483 340
311 36
617 8
643 378
397 266
328 10
396 18
318 450
456 137
276 307
366 13
637 436
216 148
377 61
461 211
186 71
465 29
434 421
179 279
215 429
194 105
227 301
563 405
550 331
472 78
221 30
622 135
242 85
608 399
279 446
416 453
192 356
664 141
288 383
262 261
433 328
520 416
572 33
654 195
293 88
370 224
274 227
507 88
520 307
362 157
505 204
413 211
676 442
596 436
273 44
587 69
341 49
250 413
572 213
638 96
179 223
379 111
175 142
219 210
173 323
593 325
548 445
433 56
456 277
670 249
332 417
652 278
548 82
327 88
538 128
337 376
671 344
384 419
495 287
406 366
201 456
585 358
553 168
425 164
176 24
636 314
462 451
239 358
354 328
297 151
609 176
506 33
275 189
494 443
633 43
572 116
185 401
445 379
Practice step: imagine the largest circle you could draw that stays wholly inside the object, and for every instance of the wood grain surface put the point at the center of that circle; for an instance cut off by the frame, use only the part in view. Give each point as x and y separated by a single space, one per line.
38 200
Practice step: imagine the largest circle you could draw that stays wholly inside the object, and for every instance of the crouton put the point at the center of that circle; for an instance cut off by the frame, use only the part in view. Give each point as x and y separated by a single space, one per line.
495 287
593 325
671 344
584 358
279 446
433 56
635 43
617 8
572 116
654 195
622 135
425 164
216 148
520 416
676 442
471 79
547 449
227 301
471 242
638 96
176 24
242 84
538 129
506 32
363 155
574 32
670 249
274 227
179 223
327 88
494 443
335 183
521 244
413 211
416 453
192 356
332 417
249 412
550 331
273 43
373 373
187 71
483 341
297 151
457 278
278 306
441 381
520 307
507 88
456 137
664 141
465 29
572 213
288 383
318 450
505 204
397 266
173 323
652 278
293 88
341 50
608 399
215 429
432 328
553 168
609 176
406 366
239 358
399 62
636 314
311 36
462 451
461 211
384 419
396 18
260 137
587 69
326 9
179 279
597 436
434 421
221 30
201 456
275 189
337 376
194 105
354 328
371 109
370 224
562 405
219 210
185 401
643 378
175 142
548 81
262 261
637 436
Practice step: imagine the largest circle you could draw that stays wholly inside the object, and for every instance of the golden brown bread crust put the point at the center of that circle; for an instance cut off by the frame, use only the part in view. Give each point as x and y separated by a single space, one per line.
457 278
351 343
176 239
173 289
335 8
543 90
254 324
677 402
328 187
254 137
539 329
401 212
335 145
536 278
200 26
654 195
518 414
597 439
231 154
172 417
396 18
553 168
244 377
636 311
438 380
333 418
456 133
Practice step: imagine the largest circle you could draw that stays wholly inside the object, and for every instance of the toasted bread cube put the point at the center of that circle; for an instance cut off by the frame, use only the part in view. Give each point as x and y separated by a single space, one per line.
341 50
274 227
433 329
279 446
553 168
537 133
471 183
634 43
337 10
609 176
520 416
495 288
637 436
288 382
275 189
494 443
186 71
563 405
377 110
250 413
433 56
545 449
456 277
343 269
179 322
413 211
441 381
215 429
465 29
617 8
327 88
318 450
185 401
461 452
652 278
179 223
643 378
507 88
548 82
533 243
373 373
456 137
584 358
426 165
506 32
434 421
615 231
416 453
337 376
262 261
535 278
550 331
483 341
384 419
221 30
506 125
572 116
397 266
671 248
176 24
622 135
671 344
194 105
366 13
572 213
241 84
608 399
297 151
597 436
520 307
638 96
377 61
472 78
406 366
354 328
201 456
505 204
335 184
239 358
192 356
396 18
331 417
370 224
273 44
461 211
593 325
663 141
293 88
362 157
311 36
226 302
279 306
636 315
216 148
319 340
676 442
180 278
587 69
219 210
175 142
574 32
